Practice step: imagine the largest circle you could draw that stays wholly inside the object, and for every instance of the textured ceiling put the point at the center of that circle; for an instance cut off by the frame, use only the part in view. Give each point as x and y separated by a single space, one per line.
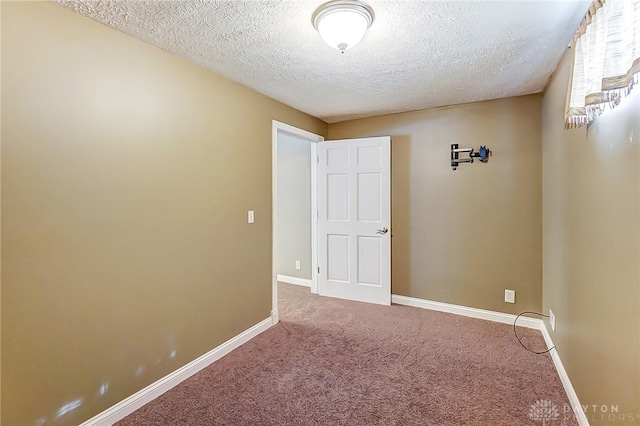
416 55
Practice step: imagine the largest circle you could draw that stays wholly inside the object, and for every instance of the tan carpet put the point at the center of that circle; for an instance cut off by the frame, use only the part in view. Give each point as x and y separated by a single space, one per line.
335 362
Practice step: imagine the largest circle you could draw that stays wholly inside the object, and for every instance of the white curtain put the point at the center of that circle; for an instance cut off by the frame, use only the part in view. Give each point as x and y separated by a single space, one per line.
606 61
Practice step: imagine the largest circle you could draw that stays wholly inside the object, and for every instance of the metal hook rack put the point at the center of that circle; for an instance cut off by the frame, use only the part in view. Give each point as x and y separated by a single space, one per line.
482 154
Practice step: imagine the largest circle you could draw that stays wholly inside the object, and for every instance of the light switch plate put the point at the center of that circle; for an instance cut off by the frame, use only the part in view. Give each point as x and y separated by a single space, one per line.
250 216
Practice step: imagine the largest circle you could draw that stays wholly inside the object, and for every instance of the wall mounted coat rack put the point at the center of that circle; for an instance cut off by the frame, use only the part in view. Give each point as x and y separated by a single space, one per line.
483 155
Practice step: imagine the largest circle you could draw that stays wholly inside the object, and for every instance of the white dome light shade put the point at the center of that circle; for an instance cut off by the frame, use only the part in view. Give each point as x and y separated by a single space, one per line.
342 24
342 29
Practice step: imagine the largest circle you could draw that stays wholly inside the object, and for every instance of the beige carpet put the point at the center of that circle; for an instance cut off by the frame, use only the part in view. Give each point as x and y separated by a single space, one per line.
335 362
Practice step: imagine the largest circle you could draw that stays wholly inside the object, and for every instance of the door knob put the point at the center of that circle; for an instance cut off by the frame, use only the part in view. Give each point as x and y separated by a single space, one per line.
383 230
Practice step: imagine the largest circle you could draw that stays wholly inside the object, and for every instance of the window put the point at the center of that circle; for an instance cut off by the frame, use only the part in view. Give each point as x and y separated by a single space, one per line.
606 61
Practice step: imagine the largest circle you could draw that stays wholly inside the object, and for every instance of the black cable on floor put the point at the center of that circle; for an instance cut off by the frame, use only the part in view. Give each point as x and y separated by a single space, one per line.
517 337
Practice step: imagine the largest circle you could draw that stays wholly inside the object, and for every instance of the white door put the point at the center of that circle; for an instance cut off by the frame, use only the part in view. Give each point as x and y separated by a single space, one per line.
354 219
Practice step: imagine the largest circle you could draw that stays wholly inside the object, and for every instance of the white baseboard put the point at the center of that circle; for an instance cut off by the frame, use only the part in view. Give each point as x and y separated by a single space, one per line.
523 321
535 323
294 280
564 378
154 390
275 317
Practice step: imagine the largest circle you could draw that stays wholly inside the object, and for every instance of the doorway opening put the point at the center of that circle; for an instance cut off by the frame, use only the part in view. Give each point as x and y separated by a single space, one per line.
294 209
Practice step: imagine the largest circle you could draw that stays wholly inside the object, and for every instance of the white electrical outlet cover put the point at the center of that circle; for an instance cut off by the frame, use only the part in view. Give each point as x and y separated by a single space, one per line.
510 296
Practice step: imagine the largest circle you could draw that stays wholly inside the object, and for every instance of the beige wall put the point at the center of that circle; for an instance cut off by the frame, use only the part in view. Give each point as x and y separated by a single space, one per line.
591 279
127 174
294 206
463 237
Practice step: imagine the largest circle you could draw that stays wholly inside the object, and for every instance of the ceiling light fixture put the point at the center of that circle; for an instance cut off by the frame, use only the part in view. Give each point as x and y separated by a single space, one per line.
342 23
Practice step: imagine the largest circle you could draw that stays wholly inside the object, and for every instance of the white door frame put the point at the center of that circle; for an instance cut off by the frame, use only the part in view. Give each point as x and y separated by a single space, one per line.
278 127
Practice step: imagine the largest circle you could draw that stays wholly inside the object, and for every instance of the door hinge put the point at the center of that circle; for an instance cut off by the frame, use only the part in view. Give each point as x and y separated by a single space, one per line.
318 269
317 158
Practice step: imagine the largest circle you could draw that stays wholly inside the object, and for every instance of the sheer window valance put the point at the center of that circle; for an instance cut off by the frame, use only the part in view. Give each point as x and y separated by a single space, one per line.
606 61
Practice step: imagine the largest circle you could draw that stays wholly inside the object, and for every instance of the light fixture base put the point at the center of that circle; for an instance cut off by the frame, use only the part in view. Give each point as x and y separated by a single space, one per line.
352 5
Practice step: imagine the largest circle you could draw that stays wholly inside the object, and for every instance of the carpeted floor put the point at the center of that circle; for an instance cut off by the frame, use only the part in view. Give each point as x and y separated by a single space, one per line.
336 362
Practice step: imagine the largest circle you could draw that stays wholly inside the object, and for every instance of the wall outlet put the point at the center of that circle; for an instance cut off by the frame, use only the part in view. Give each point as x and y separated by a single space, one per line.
552 320
510 296
297 264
